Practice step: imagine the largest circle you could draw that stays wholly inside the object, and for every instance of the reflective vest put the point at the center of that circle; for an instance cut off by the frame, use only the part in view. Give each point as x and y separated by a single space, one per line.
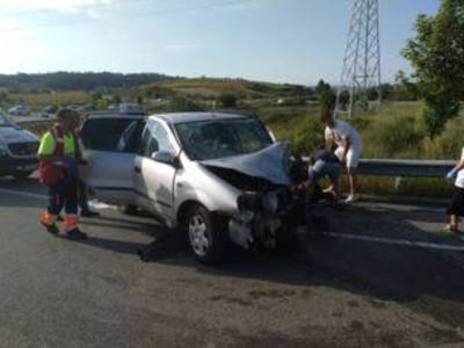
50 172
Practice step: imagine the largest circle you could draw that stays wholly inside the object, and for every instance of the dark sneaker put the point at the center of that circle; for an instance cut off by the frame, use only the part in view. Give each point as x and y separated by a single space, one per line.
89 214
76 234
59 218
52 229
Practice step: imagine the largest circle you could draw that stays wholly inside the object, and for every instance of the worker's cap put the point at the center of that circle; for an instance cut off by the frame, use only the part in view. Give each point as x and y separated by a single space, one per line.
66 114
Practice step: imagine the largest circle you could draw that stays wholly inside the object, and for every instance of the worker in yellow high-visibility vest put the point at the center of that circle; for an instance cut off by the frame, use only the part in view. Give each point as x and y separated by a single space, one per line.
59 172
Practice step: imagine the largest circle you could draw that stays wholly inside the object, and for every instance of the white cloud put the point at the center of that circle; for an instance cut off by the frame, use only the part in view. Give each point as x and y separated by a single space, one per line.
53 5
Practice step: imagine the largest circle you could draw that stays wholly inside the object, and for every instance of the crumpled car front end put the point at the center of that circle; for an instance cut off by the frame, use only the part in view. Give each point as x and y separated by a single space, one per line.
268 209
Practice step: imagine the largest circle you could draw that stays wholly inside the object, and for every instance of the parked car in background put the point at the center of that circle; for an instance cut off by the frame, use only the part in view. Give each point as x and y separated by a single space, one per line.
49 111
18 150
19 110
214 176
130 109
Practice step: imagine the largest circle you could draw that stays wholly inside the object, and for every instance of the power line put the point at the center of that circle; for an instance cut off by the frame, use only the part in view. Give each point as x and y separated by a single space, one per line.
140 15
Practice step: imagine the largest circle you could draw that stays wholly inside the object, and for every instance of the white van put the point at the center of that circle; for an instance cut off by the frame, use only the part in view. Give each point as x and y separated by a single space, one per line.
18 149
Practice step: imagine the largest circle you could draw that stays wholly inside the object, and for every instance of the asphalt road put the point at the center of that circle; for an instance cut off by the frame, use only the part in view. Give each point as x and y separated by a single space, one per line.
385 276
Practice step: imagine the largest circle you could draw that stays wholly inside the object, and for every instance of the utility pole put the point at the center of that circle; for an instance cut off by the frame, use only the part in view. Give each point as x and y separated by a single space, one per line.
360 83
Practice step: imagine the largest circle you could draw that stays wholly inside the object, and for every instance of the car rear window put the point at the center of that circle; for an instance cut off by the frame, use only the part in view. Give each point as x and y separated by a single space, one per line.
103 134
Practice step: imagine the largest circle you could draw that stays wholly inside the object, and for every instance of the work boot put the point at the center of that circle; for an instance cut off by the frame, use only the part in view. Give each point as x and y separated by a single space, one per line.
48 221
52 229
76 234
89 214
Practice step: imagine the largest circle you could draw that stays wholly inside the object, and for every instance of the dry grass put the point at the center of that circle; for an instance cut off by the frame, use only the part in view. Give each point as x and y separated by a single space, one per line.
37 101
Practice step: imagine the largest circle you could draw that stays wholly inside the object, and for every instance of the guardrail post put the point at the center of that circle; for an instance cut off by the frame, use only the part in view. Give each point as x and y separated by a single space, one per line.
398 181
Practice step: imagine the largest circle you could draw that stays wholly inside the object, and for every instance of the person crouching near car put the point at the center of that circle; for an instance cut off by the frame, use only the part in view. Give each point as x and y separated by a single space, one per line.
324 164
58 170
349 145
456 207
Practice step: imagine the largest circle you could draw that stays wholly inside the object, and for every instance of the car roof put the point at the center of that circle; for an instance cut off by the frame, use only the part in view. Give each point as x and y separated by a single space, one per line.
114 115
183 117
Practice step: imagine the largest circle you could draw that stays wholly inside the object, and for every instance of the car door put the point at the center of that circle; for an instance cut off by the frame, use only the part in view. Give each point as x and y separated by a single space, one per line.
110 151
154 180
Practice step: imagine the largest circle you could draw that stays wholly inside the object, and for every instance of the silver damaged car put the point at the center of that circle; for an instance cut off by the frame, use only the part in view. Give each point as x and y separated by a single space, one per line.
216 176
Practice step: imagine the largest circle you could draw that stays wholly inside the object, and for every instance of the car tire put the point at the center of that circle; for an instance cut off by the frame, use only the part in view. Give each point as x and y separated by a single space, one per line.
206 234
22 175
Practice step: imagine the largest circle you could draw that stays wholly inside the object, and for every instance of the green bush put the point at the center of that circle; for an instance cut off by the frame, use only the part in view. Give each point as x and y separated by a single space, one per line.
398 136
450 142
181 104
307 136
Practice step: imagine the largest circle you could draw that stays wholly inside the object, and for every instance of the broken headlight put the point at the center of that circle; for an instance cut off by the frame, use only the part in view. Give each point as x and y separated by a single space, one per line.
270 202
249 201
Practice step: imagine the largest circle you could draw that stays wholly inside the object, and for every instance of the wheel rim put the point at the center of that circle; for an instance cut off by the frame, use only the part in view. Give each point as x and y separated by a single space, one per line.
198 234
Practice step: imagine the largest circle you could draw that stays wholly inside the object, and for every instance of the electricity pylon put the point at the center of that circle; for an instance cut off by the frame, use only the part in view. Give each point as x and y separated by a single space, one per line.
360 83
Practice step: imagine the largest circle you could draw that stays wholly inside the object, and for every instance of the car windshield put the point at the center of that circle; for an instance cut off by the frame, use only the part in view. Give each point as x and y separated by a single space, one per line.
4 122
203 140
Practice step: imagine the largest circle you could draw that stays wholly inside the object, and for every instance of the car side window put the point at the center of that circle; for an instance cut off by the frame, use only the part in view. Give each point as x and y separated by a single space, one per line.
103 134
131 138
155 139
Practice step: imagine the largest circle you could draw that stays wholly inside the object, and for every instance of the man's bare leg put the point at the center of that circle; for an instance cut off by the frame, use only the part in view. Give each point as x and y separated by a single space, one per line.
352 184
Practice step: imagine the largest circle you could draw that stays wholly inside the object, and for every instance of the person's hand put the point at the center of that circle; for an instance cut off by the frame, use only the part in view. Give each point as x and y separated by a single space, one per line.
452 174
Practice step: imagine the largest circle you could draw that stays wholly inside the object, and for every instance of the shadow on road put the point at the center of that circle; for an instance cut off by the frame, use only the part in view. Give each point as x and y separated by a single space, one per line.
387 272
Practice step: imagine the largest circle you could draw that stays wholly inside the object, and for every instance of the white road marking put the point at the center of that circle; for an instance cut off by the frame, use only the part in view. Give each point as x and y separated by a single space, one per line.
24 194
92 204
404 242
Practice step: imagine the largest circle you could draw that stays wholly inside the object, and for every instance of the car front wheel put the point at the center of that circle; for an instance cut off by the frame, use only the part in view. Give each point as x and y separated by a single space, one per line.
206 234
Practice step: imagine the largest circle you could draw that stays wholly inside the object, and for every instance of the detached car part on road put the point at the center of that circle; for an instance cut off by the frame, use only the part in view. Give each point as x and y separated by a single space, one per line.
18 150
214 176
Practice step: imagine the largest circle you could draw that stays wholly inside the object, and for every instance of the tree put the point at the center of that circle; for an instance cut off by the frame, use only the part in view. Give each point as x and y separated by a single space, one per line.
228 100
437 56
406 88
325 95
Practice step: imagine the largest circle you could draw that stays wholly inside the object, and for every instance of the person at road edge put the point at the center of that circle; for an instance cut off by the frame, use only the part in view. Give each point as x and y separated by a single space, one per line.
349 145
456 206
58 170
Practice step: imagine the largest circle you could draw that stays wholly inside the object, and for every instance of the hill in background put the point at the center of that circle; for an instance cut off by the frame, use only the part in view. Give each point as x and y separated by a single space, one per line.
68 81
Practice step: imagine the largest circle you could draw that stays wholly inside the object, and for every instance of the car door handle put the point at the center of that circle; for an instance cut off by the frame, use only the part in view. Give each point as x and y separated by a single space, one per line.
138 170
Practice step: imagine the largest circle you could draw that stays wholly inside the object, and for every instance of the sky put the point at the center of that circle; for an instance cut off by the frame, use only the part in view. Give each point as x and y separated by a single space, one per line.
293 41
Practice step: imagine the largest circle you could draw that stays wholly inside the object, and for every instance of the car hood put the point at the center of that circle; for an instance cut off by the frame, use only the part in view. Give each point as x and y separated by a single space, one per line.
268 164
11 135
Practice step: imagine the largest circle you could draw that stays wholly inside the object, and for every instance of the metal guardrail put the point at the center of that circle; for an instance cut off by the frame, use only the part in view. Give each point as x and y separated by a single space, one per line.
405 168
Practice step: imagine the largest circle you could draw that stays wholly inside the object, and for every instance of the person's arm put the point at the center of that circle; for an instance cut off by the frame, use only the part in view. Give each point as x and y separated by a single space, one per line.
329 142
459 166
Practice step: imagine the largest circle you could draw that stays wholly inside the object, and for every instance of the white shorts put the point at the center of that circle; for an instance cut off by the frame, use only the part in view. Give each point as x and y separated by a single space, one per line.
352 157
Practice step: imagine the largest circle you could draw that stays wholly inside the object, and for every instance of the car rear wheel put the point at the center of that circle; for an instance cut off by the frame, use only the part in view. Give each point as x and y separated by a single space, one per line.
205 234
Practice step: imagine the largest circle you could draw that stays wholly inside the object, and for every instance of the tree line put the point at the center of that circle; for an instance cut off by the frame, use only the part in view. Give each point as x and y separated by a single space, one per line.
66 81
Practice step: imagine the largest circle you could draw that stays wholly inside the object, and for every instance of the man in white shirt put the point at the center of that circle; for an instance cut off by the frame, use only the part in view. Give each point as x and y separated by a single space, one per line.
349 146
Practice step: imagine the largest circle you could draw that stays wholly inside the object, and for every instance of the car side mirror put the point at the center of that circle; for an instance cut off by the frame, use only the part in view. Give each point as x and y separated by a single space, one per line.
164 157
